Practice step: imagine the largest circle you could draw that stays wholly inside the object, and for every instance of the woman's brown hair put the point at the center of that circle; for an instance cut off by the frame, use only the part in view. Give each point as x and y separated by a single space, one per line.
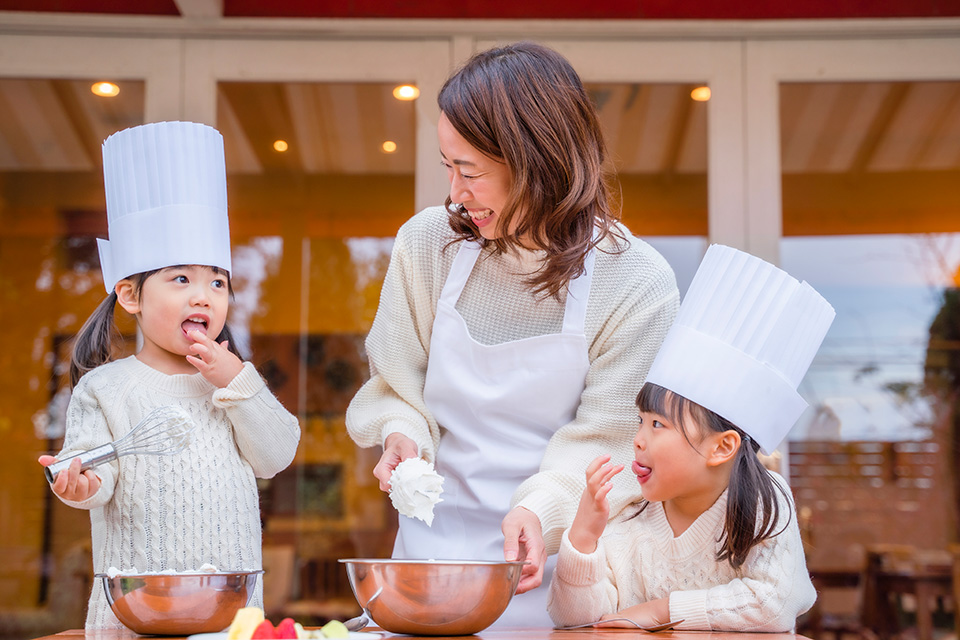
524 105
752 492
94 344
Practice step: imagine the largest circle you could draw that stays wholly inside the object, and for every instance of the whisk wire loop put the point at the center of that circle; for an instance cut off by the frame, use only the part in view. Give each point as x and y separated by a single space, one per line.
164 431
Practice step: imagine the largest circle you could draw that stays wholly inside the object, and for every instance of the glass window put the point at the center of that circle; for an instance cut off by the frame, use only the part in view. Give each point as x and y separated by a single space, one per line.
51 212
320 177
657 140
871 186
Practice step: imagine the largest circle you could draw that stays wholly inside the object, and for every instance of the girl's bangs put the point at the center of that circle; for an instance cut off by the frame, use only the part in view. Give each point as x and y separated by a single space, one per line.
656 399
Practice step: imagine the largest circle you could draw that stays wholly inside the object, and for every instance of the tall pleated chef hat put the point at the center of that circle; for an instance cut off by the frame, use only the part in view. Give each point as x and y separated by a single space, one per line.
743 339
166 189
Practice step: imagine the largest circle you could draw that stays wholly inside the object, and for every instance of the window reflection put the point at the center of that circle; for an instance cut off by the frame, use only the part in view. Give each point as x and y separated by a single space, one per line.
871 185
51 212
656 136
313 229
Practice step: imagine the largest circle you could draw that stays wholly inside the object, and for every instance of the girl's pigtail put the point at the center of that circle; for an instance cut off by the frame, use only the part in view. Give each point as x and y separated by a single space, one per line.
93 345
226 334
753 511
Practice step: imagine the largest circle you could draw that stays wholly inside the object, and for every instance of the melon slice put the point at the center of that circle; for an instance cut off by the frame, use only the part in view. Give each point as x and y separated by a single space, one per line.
244 622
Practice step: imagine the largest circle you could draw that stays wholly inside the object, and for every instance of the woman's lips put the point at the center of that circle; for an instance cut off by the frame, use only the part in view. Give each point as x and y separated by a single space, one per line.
481 217
642 472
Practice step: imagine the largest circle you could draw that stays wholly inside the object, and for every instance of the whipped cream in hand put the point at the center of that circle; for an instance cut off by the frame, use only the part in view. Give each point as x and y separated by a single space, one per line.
414 488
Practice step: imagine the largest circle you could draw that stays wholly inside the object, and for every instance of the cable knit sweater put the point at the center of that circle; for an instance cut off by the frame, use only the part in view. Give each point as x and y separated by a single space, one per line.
638 559
633 300
181 511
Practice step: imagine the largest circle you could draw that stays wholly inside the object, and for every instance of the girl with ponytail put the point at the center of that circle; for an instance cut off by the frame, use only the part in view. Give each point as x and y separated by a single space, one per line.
167 263
714 542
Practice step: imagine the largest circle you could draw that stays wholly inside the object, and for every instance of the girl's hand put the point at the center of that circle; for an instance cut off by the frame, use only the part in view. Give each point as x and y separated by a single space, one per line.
523 540
645 614
214 361
70 484
396 449
594 509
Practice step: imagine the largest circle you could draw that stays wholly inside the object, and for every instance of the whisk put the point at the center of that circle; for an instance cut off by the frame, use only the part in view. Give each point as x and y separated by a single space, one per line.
162 432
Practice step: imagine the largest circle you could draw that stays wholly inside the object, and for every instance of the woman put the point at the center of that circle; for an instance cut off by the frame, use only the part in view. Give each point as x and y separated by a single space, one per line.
515 323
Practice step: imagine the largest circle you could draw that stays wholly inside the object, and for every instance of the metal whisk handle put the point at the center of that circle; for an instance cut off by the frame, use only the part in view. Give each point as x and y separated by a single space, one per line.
88 460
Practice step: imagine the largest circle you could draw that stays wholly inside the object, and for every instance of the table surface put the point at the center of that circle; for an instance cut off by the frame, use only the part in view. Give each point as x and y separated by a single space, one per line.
493 634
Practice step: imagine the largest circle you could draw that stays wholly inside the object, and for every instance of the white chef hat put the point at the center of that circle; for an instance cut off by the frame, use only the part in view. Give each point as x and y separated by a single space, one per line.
166 188
743 340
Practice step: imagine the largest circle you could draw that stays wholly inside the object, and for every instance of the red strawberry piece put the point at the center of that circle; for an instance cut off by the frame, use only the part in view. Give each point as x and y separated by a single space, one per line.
264 631
286 630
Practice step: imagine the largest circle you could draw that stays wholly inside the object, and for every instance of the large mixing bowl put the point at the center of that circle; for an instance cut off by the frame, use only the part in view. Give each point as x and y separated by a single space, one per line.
433 597
178 604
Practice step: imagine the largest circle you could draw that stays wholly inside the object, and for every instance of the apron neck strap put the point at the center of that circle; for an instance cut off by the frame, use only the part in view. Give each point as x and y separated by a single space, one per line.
578 290
460 270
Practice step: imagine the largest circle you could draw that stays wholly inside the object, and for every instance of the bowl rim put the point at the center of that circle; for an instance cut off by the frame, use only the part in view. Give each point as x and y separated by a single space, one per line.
184 574
431 562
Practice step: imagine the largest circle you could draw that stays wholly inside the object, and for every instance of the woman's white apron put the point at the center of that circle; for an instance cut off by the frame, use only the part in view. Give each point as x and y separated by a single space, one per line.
498 406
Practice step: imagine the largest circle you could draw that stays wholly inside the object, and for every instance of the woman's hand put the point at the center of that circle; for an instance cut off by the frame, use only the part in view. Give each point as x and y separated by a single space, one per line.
594 509
645 614
214 361
396 449
523 540
70 484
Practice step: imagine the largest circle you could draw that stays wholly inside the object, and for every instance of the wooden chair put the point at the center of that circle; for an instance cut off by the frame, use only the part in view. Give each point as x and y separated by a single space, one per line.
955 555
822 623
881 608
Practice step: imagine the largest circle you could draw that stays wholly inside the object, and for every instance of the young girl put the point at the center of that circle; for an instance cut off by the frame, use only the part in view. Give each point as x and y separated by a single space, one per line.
167 263
714 543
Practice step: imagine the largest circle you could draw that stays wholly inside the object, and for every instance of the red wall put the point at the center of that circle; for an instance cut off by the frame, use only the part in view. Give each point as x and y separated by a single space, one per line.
518 9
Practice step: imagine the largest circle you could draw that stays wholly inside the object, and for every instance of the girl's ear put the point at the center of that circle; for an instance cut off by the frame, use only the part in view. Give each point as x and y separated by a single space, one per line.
723 448
127 297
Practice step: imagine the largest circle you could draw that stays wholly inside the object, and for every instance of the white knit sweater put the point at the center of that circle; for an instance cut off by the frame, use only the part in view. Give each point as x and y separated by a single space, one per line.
178 512
638 559
633 300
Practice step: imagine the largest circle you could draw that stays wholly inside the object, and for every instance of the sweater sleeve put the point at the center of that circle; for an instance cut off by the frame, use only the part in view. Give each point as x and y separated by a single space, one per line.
773 589
397 346
266 433
606 420
583 587
86 429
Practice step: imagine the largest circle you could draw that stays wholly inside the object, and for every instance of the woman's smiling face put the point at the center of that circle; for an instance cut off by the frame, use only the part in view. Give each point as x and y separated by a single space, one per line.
477 182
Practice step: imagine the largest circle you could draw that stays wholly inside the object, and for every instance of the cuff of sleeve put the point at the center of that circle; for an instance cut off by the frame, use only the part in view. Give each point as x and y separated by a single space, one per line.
244 385
99 498
580 569
404 429
691 607
552 523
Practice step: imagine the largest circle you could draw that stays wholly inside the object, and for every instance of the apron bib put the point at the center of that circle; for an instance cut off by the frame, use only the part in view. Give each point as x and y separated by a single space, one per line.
498 407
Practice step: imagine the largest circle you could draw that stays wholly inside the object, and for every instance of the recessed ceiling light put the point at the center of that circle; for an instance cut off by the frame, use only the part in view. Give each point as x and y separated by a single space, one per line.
406 92
700 94
280 145
389 146
105 89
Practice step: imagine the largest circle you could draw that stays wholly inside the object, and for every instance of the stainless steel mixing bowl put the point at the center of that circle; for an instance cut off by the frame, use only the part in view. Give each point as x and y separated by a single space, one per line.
178 604
433 597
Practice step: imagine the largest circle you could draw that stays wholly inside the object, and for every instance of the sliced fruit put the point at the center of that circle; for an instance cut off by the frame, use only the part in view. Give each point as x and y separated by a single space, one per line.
286 629
335 629
244 622
264 631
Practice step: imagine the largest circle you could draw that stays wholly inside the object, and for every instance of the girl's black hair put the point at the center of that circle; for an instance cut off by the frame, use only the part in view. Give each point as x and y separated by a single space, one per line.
753 510
94 344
